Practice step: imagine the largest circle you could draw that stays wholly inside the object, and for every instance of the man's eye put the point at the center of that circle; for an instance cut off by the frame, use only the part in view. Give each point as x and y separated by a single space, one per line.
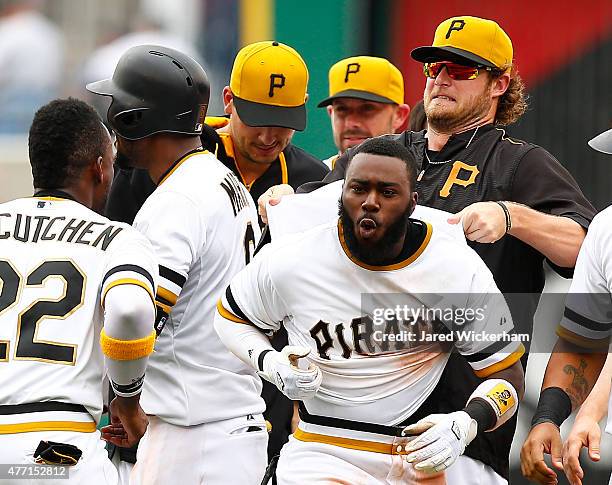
389 192
357 188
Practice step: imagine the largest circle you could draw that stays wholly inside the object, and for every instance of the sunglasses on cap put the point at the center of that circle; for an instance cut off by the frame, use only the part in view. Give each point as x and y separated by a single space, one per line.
458 72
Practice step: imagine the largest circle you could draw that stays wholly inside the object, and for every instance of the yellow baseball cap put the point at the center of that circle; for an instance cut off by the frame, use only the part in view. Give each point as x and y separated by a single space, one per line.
269 82
363 77
468 38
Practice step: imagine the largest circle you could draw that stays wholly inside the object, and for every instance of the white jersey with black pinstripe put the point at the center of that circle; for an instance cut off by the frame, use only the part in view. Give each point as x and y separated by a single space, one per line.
57 261
328 300
203 225
587 319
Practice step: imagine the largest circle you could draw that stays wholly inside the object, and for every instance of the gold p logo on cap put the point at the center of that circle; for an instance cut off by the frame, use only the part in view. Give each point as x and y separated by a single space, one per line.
365 77
477 40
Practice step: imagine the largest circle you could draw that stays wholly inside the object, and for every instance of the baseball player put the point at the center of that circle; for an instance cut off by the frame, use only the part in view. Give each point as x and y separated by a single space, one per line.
204 403
75 288
576 361
264 105
360 391
518 206
254 142
366 99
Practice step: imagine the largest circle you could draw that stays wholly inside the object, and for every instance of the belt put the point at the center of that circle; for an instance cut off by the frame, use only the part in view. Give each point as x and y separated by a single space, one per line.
348 424
353 444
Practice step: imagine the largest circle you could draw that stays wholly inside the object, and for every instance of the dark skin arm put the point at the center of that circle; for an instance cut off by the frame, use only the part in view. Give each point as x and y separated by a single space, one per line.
575 370
515 376
129 422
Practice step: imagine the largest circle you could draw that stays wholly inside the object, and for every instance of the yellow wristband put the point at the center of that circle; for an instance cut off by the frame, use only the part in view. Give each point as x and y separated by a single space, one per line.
127 349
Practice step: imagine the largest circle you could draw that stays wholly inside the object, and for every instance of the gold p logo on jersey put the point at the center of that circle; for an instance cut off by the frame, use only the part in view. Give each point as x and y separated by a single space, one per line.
453 177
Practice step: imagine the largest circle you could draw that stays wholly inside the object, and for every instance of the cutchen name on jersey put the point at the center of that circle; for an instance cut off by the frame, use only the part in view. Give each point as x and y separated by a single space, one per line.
34 228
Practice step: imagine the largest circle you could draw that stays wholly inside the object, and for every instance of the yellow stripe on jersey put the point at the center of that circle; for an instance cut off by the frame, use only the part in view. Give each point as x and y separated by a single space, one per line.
128 281
581 341
333 161
389 267
166 308
228 145
229 315
502 364
127 349
167 295
76 426
216 122
56 199
353 444
284 171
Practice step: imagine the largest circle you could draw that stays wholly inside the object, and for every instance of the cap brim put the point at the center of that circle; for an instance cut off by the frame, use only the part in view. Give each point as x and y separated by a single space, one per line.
602 142
105 87
433 54
354 93
259 114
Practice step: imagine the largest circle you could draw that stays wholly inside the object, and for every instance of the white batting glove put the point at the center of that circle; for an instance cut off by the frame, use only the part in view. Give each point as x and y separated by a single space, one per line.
280 368
442 438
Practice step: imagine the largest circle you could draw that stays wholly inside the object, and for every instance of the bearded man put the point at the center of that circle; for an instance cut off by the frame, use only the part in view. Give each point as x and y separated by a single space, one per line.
517 204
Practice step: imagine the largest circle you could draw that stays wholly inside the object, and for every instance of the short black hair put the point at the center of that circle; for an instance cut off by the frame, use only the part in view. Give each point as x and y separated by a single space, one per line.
66 135
386 146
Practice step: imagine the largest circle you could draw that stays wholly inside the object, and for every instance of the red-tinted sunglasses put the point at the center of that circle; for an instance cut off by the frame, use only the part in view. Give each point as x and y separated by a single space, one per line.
458 72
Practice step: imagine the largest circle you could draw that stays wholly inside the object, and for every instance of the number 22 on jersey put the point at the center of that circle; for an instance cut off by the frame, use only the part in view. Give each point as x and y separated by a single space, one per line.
33 313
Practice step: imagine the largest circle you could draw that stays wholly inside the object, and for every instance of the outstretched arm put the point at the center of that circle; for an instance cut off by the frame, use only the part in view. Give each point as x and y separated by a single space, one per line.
586 431
570 375
556 237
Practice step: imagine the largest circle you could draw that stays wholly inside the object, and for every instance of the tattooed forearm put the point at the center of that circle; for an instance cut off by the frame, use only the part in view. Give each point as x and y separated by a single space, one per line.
580 387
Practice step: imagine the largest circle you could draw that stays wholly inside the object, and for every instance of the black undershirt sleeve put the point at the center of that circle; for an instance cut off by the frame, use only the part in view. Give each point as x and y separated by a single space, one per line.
543 184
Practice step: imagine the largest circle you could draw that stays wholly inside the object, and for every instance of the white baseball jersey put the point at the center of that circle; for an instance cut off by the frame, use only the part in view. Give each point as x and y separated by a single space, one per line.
313 286
57 261
300 212
203 225
587 319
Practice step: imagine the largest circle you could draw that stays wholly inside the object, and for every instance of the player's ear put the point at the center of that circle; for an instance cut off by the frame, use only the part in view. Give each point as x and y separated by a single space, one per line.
98 170
413 202
400 118
500 85
228 96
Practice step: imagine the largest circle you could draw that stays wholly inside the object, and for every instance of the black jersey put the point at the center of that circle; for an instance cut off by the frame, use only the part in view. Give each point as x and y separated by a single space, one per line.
485 165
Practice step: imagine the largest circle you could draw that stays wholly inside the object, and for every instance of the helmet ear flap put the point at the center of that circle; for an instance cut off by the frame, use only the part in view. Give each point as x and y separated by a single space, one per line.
128 120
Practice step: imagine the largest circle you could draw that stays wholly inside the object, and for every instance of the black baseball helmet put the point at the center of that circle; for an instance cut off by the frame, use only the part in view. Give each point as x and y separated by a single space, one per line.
155 89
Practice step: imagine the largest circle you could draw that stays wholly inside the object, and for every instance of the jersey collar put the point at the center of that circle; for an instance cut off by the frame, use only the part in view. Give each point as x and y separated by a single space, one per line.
228 146
458 142
53 194
390 267
178 163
